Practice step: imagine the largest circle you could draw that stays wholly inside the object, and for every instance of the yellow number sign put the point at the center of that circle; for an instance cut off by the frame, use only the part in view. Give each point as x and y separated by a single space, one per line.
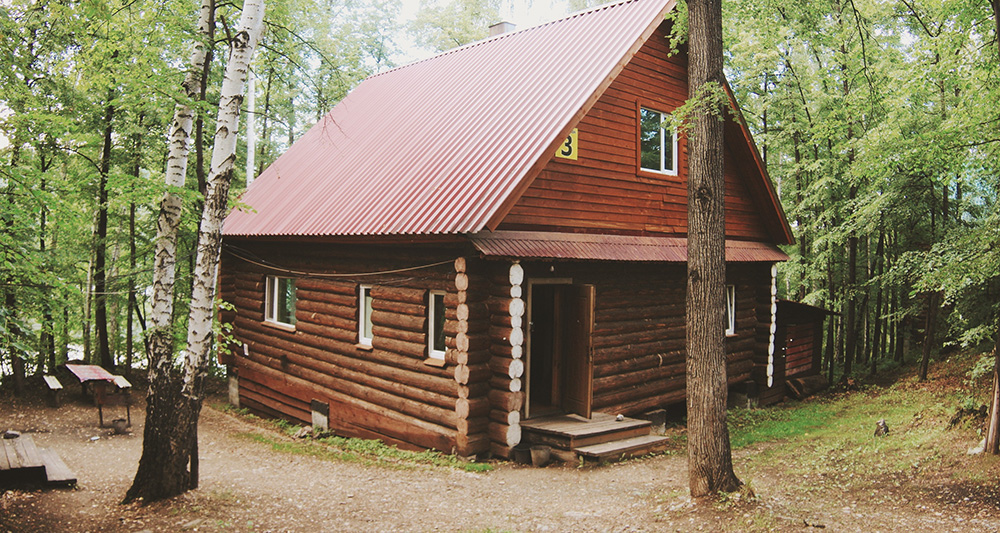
569 148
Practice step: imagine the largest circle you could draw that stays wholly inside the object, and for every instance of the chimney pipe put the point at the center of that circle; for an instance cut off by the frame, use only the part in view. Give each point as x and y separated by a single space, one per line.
501 27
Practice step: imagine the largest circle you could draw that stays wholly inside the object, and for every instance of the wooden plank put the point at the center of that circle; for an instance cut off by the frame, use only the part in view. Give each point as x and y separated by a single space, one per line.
56 471
632 447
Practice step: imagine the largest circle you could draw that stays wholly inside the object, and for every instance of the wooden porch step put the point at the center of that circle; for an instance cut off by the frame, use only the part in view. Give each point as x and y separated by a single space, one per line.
570 432
621 449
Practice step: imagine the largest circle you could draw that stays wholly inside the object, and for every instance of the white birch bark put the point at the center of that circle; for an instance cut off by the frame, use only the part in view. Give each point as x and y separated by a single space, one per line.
179 136
220 175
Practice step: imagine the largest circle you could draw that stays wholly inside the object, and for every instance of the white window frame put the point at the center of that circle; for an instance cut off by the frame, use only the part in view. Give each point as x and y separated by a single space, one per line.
432 331
730 310
663 145
364 315
272 300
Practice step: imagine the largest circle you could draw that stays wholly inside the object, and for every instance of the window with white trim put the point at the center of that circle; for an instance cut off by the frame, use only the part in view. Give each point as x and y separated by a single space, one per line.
435 325
657 145
730 310
365 315
279 300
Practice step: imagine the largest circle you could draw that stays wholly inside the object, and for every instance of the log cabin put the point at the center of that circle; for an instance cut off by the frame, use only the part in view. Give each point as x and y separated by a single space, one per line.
475 248
797 367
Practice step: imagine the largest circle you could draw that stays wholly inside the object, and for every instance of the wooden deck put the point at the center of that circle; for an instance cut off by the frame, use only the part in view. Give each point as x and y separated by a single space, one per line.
601 438
23 464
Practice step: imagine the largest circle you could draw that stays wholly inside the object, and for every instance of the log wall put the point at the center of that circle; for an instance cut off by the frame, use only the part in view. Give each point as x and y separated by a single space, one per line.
386 391
506 309
769 360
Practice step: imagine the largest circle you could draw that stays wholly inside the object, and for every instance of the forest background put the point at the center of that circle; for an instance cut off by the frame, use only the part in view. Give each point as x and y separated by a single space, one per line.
879 122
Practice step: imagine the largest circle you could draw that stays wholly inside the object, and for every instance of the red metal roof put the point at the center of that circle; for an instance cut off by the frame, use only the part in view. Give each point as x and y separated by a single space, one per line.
545 245
436 147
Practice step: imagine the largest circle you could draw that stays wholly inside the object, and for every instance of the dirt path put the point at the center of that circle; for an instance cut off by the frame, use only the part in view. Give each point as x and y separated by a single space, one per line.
247 486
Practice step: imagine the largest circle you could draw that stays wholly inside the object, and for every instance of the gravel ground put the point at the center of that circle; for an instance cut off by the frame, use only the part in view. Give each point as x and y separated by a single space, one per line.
249 486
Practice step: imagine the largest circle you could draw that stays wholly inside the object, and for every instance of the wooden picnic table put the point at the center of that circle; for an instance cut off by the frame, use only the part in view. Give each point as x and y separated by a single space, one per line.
101 382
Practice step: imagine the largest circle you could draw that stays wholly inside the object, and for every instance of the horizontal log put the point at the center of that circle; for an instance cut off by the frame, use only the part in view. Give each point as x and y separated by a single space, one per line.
506 321
474 426
460 264
512 336
508 418
465 374
472 408
505 306
506 435
640 362
634 312
512 368
470 343
500 450
475 311
347 324
617 353
473 390
345 288
461 281
412 337
471 445
637 337
504 349
396 346
399 308
403 322
341 335
457 357
626 327
248 305
619 381
323 308
345 300
399 294
506 400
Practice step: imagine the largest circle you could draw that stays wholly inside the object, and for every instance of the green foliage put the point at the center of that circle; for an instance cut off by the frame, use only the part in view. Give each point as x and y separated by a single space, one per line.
442 27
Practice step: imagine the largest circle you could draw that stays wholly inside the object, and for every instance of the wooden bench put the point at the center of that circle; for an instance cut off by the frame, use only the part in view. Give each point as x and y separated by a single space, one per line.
55 390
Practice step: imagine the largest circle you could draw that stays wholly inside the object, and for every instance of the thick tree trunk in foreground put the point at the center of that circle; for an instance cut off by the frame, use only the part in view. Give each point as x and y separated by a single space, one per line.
710 462
163 467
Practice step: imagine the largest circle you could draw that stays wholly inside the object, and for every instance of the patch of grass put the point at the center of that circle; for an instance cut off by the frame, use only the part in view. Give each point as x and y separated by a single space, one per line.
365 451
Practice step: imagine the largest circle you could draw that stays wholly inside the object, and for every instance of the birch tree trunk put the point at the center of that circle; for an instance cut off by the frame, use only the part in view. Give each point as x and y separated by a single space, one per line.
163 467
710 464
220 177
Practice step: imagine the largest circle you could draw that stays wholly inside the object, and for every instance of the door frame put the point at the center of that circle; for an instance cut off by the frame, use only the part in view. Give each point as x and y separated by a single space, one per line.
531 282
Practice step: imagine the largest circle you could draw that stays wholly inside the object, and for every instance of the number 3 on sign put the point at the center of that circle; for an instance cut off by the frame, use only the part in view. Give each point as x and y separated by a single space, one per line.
569 147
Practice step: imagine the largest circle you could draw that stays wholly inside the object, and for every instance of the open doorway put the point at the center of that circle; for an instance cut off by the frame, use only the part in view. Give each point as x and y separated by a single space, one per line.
558 374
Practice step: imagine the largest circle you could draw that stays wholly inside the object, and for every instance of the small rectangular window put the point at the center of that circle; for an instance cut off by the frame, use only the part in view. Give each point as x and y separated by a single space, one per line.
365 315
279 300
657 146
730 309
435 325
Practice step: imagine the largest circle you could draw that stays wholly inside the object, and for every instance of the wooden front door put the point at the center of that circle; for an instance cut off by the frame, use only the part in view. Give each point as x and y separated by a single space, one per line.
578 359
560 364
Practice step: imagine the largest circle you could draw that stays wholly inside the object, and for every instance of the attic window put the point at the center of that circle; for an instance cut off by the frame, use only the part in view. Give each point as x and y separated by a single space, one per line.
657 146
279 301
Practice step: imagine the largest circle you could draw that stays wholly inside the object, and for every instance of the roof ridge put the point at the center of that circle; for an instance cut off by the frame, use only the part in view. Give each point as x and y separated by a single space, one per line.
494 38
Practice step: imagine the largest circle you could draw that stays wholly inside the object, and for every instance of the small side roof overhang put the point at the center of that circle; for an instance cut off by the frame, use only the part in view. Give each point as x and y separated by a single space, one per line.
579 246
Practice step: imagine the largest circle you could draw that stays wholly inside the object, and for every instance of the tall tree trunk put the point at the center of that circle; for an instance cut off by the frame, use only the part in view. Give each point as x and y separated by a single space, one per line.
169 468
163 467
993 424
876 342
932 308
710 464
130 307
100 252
